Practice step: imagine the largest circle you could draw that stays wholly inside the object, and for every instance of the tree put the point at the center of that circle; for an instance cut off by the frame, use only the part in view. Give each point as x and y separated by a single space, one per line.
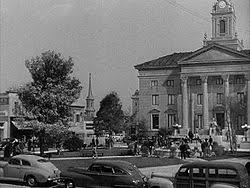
50 93
49 96
234 107
110 116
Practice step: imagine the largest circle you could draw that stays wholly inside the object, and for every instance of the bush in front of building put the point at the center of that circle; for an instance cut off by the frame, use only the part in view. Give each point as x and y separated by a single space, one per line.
73 143
217 149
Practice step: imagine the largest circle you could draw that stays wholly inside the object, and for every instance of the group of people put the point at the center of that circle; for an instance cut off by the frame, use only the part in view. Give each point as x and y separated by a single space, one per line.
13 148
206 147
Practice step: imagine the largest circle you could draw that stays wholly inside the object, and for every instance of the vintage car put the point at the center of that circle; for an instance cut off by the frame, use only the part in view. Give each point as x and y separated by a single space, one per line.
105 173
31 169
203 174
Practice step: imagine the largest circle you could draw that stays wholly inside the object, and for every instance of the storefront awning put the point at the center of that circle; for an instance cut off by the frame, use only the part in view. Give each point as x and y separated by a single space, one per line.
20 126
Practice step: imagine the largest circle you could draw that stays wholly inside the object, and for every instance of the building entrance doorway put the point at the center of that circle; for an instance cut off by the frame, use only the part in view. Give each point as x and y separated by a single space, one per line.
220 119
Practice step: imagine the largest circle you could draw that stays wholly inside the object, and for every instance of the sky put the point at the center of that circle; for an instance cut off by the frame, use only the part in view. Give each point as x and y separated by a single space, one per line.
104 37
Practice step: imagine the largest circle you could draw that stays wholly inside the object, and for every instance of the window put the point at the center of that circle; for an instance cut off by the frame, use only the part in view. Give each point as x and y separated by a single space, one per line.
240 121
154 83
77 117
219 98
212 172
170 83
119 171
198 81
226 173
155 121
199 121
155 99
199 99
15 162
240 96
171 99
198 172
95 168
222 27
171 119
219 81
25 163
107 169
239 80
183 172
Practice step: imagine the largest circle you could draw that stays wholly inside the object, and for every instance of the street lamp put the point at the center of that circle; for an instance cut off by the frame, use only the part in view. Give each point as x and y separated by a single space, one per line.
176 127
245 127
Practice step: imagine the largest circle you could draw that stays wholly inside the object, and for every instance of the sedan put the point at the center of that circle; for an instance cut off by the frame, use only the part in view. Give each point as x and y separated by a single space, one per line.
105 173
31 169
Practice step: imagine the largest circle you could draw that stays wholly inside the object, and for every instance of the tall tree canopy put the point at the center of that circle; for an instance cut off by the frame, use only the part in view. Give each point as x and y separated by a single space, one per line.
49 96
110 116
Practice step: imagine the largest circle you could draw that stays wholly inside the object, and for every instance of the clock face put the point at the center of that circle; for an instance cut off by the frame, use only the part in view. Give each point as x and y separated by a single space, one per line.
222 4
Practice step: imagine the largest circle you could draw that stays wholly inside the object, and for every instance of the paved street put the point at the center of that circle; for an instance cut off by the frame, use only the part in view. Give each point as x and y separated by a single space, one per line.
168 171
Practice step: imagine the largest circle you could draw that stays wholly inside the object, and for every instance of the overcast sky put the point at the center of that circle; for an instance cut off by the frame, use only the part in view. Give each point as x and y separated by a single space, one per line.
105 37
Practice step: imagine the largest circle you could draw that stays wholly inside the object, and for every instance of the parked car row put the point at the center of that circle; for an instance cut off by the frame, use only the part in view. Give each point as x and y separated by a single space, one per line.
36 170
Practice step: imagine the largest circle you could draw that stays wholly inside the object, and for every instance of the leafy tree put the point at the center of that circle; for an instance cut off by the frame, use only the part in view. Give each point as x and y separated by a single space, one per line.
49 96
234 107
110 116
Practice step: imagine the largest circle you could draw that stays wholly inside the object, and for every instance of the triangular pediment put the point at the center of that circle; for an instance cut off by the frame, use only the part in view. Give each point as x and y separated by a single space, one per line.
154 111
215 53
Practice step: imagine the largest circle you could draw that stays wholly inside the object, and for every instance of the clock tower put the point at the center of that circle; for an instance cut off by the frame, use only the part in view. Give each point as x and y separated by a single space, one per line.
223 25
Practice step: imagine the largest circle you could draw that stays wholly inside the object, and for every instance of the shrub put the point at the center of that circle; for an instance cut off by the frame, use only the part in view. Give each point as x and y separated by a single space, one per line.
73 143
217 149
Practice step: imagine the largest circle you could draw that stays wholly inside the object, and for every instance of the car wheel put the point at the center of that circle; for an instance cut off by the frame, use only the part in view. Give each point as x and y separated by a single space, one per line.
69 184
31 181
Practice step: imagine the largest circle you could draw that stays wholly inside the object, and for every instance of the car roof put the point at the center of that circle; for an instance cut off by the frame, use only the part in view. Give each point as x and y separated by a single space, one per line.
215 164
117 163
28 157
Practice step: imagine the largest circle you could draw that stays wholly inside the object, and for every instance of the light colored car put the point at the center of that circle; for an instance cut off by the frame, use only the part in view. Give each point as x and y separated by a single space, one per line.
31 169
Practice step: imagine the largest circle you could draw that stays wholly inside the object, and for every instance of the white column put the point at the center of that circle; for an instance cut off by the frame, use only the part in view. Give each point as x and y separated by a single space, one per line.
205 102
226 99
247 76
184 102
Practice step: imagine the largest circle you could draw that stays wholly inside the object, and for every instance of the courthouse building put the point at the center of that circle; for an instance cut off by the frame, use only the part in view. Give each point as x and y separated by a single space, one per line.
190 88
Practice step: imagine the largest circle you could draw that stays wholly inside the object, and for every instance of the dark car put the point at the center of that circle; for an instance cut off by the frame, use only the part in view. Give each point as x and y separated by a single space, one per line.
105 173
206 174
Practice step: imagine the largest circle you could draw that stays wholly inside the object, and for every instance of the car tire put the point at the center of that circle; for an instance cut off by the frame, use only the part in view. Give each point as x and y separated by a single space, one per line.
31 181
69 184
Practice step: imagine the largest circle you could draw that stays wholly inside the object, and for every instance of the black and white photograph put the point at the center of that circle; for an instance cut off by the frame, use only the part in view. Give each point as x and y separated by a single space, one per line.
125 93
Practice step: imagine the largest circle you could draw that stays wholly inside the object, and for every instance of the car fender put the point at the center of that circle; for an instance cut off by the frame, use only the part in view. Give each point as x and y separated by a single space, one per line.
41 176
160 180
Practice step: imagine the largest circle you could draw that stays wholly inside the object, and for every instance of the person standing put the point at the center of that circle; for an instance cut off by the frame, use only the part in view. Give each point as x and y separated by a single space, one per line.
183 150
191 136
210 140
97 141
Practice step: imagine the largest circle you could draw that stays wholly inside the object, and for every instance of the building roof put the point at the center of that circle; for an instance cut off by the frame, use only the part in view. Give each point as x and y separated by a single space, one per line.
171 61
165 61
247 52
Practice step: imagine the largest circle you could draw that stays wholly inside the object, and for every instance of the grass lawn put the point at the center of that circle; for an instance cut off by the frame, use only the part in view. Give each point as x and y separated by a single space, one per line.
140 162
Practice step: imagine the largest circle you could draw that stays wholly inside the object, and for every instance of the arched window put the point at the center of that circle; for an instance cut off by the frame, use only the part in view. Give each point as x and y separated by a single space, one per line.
222 27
